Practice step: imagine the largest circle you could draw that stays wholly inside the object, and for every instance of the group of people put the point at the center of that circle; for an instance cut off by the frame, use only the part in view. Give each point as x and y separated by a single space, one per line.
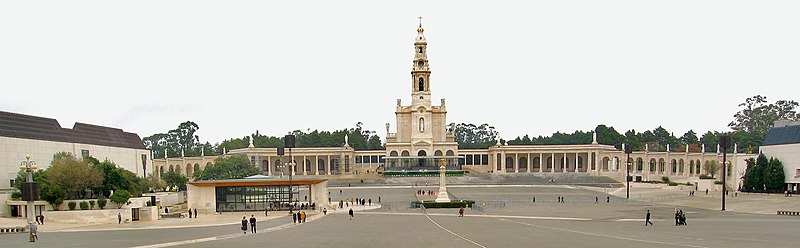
680 218
190 213
354 202
560 199
40 219
426 192
299 217
252 222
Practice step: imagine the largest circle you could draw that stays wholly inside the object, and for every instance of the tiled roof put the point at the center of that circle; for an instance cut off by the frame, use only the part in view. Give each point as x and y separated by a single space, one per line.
39 128
783 135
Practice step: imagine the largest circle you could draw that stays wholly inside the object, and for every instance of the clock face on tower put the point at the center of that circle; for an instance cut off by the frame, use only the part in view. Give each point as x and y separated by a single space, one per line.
420 63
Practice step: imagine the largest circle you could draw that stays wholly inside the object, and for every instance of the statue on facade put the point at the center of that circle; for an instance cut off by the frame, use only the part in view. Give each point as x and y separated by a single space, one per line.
251 142
346 143
387 129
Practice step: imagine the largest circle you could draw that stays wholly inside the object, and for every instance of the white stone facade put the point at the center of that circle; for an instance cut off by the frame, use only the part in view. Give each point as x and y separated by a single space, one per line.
13 151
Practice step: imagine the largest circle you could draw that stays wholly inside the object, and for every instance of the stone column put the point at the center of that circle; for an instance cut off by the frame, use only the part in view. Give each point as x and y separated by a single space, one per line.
516 162
442 196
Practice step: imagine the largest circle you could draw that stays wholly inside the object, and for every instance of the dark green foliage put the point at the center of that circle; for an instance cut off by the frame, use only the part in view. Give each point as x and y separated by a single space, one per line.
470 136
101 202
175 180
764 175
757 116
704 176
665 179
53 194
71 205
16 195
115 178
230 167
84 205
91 204
673 184
173 141
120 197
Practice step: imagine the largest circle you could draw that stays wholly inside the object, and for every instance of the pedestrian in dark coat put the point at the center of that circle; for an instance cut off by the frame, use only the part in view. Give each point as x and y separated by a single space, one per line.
647 218
294 218
252 224
244 224
351 214
195 213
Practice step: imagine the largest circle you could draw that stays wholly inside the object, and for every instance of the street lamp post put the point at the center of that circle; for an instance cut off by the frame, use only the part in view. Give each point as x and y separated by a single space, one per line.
724 142
288 142
29 166
628 151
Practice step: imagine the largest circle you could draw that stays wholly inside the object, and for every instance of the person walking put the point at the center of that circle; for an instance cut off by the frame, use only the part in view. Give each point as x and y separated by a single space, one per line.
461 212
596 200
119 218
41 217
324 211
195 213
677 217
303 216
647 218
34 236
244 224
252 223
608 199
190 213
294 218
351 214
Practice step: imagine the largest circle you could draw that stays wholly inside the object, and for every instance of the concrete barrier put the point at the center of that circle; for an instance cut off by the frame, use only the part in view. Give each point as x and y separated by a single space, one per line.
7 230
791 213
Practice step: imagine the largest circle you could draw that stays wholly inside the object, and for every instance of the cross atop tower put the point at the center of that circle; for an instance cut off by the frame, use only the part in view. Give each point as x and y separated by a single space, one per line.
420 21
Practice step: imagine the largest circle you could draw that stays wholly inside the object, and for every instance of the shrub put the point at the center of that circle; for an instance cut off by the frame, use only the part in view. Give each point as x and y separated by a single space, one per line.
120 197
673 184
71 205
84 205
101 202
717 182
706 177
16 195
91 204
689 184
665 179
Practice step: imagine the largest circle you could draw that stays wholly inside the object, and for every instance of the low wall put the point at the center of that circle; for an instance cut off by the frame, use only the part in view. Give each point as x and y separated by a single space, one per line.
168 198
87 216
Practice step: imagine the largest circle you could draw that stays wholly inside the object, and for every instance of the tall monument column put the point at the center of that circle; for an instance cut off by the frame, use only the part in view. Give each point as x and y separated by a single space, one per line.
442 196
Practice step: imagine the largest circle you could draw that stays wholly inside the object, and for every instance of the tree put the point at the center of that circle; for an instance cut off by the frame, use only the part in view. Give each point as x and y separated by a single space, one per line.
181 138
690 137
53 194
75 176
120 197
712 167
758 116
471 136
774 178
155 184
230 167
175 180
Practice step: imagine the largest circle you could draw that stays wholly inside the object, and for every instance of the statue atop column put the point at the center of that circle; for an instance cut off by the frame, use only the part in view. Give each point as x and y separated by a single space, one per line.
594 138
251 142
387 129
346 141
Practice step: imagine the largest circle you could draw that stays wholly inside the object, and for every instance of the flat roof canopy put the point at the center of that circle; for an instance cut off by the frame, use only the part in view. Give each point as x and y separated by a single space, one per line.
270 181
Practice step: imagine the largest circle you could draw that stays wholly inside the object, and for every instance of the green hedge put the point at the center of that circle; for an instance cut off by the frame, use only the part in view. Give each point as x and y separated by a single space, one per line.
673 184
451 204
84 205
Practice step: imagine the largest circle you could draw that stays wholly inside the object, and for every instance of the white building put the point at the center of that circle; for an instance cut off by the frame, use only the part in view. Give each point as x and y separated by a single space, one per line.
41 137
783 143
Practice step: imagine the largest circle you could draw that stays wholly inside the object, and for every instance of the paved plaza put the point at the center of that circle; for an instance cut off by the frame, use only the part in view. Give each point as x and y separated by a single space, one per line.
506 216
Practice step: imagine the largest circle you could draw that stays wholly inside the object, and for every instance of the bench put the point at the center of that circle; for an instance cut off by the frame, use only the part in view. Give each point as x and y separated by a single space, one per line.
16 229
792 213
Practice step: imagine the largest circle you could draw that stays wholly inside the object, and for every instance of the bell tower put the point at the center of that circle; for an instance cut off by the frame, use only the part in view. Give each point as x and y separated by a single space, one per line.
420 71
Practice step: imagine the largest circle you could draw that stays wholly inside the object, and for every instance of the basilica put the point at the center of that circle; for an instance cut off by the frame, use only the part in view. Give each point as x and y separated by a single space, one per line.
422 141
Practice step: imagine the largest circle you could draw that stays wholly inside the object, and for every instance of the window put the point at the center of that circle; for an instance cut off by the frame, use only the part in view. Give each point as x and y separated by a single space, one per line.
485 159
84 153
358 159
797 174
11 182
420 50
421 84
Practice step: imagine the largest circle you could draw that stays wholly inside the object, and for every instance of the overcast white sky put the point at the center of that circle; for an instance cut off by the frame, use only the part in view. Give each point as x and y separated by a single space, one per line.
235 67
